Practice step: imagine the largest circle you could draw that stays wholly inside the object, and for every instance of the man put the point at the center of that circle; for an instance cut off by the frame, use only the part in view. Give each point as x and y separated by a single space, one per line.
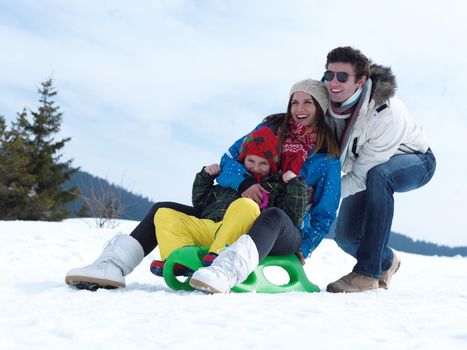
382 151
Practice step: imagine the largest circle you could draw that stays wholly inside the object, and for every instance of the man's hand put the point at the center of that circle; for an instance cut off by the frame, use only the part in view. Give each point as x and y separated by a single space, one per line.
255 192
300 257
213 169
288 175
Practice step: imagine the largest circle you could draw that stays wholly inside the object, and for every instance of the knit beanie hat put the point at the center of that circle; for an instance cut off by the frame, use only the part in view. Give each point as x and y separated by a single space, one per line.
263 143
316 89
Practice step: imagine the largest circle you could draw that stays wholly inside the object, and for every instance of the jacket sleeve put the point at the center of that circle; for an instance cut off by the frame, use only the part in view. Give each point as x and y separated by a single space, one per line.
233 172
325 201
202 189
387 131
295 199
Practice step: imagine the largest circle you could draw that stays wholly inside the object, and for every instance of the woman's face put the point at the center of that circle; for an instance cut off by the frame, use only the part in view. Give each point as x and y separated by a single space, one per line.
303 109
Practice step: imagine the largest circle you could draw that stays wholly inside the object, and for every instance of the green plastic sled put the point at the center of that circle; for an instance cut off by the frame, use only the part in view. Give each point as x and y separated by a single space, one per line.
192 256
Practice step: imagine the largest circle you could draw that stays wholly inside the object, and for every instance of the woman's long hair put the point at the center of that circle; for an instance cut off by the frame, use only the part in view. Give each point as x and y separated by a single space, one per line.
326 141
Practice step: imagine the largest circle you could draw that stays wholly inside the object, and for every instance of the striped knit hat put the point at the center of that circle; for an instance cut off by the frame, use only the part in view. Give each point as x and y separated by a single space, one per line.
314 88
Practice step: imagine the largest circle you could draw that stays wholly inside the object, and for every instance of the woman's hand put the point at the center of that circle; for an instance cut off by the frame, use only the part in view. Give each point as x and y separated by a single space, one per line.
255 192
213 169
300 256
288 175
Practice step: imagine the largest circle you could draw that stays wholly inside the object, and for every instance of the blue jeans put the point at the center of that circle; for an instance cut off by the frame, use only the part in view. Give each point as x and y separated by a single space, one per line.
364 221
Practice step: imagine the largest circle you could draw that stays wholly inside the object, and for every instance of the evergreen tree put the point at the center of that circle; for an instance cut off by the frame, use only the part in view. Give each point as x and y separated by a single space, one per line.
15 180
49 197
32 174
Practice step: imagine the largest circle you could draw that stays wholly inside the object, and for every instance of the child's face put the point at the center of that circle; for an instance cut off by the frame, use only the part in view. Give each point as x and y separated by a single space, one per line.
258 165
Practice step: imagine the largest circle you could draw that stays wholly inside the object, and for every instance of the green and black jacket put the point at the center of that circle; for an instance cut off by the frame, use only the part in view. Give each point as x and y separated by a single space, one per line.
214 200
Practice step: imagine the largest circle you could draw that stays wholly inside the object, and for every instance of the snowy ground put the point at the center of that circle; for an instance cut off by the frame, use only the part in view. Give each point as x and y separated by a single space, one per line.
425 308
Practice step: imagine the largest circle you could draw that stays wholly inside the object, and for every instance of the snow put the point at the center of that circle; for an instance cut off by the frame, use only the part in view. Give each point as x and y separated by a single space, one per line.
425 307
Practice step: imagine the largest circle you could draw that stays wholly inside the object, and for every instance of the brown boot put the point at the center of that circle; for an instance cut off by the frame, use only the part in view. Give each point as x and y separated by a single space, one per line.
387 275
352 283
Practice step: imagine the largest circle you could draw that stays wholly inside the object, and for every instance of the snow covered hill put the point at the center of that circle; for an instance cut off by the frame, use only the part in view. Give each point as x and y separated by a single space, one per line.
425 308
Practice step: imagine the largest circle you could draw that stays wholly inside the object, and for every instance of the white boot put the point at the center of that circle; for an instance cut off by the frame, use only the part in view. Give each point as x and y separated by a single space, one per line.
119 257
232 266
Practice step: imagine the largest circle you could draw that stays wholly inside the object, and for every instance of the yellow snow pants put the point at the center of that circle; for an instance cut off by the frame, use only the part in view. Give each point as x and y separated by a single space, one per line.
175 229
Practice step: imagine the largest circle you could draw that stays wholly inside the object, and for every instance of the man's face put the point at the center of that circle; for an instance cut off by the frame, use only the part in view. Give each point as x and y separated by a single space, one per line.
341 91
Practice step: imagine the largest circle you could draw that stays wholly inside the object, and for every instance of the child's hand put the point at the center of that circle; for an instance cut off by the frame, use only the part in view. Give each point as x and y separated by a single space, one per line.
213 169
288 175
255 192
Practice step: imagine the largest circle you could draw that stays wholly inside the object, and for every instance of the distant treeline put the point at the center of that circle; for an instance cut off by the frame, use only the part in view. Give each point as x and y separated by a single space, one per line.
95 189
406 244
403 243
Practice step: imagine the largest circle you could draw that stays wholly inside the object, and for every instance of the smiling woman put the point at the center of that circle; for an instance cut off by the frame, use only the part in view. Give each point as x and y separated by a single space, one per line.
308 149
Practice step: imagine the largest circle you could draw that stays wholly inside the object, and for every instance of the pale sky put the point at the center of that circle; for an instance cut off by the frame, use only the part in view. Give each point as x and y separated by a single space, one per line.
153 90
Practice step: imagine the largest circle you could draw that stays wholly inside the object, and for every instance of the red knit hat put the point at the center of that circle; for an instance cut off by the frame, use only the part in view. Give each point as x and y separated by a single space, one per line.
263 143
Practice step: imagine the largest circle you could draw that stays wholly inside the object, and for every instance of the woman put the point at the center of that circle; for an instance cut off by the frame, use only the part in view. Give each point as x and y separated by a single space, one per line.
226 216
308 148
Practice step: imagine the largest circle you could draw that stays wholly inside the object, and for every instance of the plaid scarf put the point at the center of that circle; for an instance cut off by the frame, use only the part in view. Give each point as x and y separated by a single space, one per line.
299 141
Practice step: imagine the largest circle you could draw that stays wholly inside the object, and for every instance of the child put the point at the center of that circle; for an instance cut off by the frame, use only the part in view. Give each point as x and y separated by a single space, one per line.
225 215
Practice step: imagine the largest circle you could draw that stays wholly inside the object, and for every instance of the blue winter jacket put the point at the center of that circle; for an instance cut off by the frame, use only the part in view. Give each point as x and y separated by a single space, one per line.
320 172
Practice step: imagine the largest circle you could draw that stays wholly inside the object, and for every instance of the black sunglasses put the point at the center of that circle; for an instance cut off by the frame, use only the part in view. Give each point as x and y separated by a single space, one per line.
342 77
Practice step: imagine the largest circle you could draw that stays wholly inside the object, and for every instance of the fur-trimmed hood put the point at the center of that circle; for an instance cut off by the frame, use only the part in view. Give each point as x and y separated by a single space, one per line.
384 83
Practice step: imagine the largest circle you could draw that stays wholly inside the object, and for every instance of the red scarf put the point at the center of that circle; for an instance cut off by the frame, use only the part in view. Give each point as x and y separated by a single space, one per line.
299 141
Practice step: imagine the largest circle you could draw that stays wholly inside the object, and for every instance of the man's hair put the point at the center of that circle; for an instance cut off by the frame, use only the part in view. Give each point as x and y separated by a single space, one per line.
355 57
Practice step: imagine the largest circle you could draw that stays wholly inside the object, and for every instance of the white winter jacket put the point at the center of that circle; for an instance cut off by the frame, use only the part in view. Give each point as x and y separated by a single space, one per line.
382 129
